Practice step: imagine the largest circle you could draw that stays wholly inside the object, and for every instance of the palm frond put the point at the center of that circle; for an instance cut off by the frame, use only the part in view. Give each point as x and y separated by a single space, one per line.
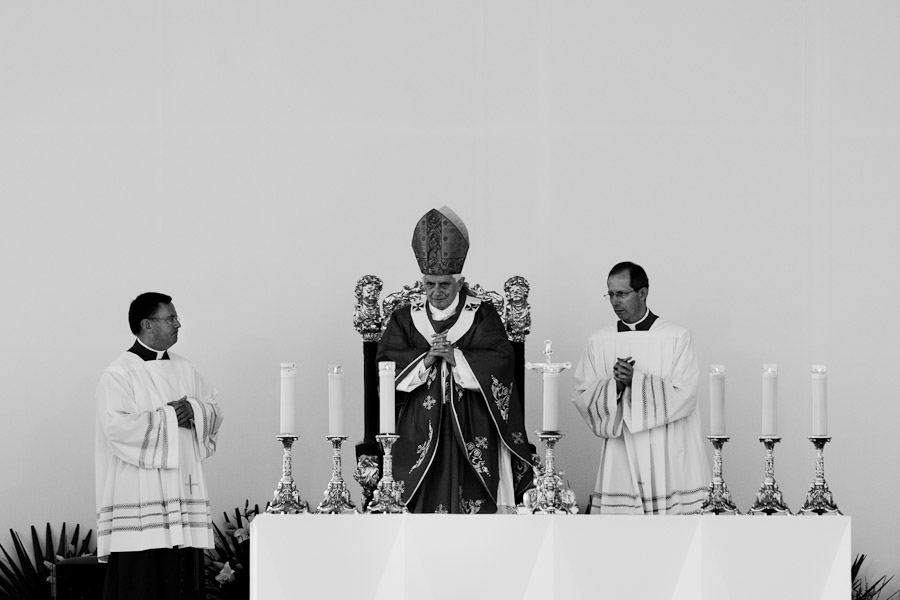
19 575
85 544
73 544
12 582
22 578
11 566
61 547
24 559
860 587
42 555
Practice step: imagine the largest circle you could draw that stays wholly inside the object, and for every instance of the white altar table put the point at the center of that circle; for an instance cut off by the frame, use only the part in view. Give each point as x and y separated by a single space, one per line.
544 556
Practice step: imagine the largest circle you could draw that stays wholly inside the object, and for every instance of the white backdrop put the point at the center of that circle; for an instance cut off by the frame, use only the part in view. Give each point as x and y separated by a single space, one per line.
254 159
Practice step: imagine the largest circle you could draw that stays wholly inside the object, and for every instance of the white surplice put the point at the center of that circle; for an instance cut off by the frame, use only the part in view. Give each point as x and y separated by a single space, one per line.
652 455
150 488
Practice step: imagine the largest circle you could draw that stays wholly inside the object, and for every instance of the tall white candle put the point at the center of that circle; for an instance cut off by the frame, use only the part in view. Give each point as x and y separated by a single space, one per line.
386 372
288 423
770 401
551 400
717 400
335 400
819 400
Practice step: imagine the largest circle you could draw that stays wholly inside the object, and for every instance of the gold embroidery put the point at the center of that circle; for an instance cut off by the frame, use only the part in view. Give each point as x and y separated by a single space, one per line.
469 506
422 450
476 456
502 394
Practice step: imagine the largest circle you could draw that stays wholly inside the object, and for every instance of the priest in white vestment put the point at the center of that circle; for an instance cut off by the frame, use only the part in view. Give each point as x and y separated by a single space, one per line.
637 391
157 419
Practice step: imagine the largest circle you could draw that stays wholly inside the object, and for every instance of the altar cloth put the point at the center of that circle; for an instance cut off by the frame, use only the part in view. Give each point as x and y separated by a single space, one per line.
549 556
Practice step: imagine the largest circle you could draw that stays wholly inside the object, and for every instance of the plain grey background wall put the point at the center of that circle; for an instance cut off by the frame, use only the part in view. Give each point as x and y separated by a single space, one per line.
254 159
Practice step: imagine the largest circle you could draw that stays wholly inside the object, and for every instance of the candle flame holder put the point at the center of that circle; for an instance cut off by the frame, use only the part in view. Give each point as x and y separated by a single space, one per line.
769 500
718 498
386 499
337 496
287 497
550 495
819 500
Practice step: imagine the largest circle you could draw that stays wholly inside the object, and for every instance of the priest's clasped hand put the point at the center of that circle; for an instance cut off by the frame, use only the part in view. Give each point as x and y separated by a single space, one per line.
440 348
623 371
183 411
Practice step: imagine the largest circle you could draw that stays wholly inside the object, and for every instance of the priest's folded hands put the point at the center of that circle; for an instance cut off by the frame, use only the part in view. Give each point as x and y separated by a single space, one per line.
623 371
183 411
440 348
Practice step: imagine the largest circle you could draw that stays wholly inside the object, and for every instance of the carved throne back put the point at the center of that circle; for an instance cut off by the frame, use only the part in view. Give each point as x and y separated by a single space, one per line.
370 321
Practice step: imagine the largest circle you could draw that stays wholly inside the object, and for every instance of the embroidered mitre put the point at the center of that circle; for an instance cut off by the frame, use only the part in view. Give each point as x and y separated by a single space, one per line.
440 242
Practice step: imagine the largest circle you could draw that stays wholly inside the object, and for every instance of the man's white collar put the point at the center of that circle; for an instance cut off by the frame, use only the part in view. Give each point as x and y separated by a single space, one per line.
442 315
159 353
633 326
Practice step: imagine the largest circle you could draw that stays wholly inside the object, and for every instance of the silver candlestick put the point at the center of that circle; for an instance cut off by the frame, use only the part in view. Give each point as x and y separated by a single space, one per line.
718 498
337 496
550 495
287 498
386 499
819 500
769 500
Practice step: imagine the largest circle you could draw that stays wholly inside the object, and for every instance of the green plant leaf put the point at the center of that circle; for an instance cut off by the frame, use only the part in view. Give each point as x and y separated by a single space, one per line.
49 555
73 544
61 548
22 579
22 576
12 582
24 559
229 550
861 589
85 545
41 555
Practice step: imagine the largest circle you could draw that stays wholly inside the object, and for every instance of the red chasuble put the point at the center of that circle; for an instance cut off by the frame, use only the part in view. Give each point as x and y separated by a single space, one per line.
449 452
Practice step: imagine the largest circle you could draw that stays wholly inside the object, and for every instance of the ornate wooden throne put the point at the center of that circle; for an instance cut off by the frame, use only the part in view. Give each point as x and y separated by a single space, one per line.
370 319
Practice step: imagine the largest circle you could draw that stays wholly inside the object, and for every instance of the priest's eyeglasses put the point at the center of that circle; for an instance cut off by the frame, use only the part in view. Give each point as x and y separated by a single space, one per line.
171 320
618 295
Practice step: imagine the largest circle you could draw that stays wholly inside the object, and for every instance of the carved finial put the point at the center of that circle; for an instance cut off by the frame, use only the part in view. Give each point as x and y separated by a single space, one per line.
397 300
367 315
484 295
517 311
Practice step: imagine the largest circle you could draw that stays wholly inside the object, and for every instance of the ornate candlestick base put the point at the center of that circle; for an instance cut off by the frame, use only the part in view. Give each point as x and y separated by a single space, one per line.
287 498
769 499
366 475
718 498
386 498
550 495
337 496
819 500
